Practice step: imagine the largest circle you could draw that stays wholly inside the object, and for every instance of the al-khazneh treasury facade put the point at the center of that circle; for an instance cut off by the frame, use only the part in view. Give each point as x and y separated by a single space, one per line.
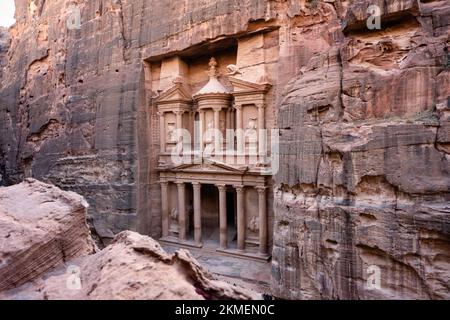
216 157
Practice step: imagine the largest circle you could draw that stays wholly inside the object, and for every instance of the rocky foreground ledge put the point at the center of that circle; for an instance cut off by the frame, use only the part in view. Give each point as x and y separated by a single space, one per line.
47 252
41 227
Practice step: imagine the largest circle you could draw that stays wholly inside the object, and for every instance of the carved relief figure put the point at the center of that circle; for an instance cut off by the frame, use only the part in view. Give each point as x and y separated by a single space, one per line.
212 67
171 137
254 224
233 70
209 138
222 125
251 134
174 214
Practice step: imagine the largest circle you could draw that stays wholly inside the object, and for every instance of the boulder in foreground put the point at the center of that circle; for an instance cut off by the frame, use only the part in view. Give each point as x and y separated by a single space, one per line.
41 227
132 267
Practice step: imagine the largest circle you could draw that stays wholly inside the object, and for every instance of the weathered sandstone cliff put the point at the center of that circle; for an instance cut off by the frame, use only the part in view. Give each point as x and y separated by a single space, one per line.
364 119
365 180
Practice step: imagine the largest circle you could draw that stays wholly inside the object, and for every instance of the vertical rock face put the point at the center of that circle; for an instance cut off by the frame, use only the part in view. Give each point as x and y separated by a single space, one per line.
364 119
74 110
364 186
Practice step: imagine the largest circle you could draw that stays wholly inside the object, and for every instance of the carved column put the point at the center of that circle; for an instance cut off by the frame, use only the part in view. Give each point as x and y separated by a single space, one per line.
165 208
179 115
179 126
228 119
241 225
192 127
181 211
239 132
261 126
162 131
197 213
202 129
262 209
227 141
223 216
216 130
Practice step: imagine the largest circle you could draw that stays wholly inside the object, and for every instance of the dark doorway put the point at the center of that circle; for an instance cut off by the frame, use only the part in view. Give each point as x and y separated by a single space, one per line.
231 217
210 215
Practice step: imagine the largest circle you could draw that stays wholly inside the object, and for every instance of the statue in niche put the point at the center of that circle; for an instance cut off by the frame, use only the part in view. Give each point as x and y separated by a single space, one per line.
174 214
171 133
254 224
174 220
209 138
222 125
251 133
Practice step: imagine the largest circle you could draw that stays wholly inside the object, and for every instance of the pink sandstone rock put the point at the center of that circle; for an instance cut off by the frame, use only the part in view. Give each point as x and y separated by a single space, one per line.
132 267
41 227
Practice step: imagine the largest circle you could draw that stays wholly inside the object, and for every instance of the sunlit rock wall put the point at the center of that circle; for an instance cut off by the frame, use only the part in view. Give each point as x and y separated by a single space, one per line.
364 120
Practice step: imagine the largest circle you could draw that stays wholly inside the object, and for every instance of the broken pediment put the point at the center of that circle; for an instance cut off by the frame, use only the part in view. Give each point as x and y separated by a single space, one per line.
178 93
242 86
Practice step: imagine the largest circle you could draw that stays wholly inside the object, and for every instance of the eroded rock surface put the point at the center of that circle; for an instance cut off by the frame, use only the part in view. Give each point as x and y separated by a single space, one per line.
364 119
364 184
132 267
41 227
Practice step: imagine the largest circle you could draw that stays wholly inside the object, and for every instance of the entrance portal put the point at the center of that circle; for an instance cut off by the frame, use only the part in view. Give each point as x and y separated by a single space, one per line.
210 215
211 218
231 218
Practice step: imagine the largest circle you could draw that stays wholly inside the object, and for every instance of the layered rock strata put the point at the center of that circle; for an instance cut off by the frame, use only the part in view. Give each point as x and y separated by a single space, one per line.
41 227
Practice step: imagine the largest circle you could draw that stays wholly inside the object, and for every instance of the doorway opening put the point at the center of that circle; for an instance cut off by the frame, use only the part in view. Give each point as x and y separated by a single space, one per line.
231 217
210 215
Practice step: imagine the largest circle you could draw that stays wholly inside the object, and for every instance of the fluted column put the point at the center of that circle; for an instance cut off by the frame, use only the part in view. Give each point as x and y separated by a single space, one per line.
262 210
197 213
181 211
162 132
165 208
223 216
239 132
241 224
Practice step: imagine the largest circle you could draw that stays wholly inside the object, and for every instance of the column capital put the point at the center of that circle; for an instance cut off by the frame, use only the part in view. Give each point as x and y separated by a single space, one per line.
179 183
179 112
196 185
237 106
217 109
161 113
221 187
261 189
164 183
239 188
260 105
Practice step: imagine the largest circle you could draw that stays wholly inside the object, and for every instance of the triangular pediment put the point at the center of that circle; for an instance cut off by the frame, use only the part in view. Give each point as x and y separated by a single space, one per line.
240 85
178 92
211 166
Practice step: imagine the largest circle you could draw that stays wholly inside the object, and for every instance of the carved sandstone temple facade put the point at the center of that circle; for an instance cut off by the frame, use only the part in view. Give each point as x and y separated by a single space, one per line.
215 158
